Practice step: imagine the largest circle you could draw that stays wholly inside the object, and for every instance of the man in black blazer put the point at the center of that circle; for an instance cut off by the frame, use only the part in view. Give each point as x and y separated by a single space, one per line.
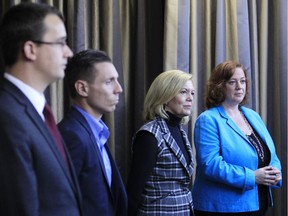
94 90
35 178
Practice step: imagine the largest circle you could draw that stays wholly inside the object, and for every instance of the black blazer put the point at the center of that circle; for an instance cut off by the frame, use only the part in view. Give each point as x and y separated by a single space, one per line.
98 197
33 177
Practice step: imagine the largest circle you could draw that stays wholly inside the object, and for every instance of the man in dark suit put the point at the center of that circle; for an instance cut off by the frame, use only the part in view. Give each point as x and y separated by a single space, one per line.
35 178
94 90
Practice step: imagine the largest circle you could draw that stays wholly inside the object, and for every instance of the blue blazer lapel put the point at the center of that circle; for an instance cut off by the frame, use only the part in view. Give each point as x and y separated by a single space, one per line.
231 123
99 156
258 127
116 177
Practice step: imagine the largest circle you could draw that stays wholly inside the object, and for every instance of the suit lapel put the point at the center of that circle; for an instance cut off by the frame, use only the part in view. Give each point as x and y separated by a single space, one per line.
261 131
116 177
251 121
34 116
171 143
38 122
79 117
190 167
231 123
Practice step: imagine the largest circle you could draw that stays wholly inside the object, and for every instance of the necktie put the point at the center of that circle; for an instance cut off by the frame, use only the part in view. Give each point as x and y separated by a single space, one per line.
50 123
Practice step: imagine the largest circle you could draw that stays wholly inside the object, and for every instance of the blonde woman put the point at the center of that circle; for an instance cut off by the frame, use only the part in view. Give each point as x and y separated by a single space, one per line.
162 162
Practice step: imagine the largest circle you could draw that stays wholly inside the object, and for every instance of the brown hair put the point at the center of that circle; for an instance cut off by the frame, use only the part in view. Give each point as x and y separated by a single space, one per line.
220 75
21 23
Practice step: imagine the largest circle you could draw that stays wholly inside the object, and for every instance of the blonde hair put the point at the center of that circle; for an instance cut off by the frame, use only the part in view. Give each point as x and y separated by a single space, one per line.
163 89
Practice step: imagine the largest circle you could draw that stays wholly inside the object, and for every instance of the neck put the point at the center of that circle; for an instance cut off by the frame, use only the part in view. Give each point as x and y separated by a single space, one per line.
173 119
231 110
83 105
27 74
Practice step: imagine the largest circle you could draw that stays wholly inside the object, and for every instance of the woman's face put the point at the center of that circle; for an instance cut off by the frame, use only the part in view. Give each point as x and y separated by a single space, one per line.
181 104
235 88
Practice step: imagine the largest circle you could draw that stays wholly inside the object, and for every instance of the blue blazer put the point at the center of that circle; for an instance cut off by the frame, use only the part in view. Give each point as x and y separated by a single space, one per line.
226 161
33 176
98 197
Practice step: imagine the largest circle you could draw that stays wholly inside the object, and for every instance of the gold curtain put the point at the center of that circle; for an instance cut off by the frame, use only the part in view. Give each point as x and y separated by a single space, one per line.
252 32
146 37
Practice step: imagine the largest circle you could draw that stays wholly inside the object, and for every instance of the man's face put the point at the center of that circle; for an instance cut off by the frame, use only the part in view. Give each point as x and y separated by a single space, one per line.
52 58
103 92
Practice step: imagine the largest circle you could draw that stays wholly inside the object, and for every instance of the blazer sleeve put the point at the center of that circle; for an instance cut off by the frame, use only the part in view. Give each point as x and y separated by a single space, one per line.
276 163
258 124
144 158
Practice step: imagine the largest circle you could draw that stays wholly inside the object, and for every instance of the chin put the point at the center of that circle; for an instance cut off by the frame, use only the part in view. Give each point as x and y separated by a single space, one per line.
187 114
61 75
112 109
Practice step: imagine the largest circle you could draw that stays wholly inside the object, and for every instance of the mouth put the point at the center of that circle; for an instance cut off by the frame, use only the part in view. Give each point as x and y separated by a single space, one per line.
187 107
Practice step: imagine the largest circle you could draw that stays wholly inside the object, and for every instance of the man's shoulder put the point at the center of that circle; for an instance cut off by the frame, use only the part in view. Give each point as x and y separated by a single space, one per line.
12 99
72 120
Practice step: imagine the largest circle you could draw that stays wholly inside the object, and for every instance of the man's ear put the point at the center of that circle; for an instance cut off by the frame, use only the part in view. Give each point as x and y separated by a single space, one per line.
29 50
82 88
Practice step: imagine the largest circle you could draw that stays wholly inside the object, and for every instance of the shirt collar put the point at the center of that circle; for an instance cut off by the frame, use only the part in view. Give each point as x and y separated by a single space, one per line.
37 99
98 127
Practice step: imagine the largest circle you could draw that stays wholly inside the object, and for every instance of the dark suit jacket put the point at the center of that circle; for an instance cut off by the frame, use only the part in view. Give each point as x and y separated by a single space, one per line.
33 178
98 197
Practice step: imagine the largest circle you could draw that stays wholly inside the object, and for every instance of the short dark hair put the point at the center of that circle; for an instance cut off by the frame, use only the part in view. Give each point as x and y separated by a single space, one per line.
81 67
21 23
215 94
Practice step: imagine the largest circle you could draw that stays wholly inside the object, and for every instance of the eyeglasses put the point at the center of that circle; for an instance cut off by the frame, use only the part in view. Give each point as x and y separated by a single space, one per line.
61 43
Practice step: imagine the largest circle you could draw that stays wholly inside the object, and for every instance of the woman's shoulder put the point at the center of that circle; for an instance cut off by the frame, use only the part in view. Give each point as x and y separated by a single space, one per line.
211 112
156 127
152 124
249 111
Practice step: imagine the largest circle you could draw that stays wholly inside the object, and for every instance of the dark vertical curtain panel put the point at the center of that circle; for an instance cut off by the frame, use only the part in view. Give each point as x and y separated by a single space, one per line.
147 37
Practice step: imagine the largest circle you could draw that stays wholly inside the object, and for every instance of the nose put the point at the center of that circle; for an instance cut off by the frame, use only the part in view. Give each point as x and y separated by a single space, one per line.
118 88
68 51
238 84
190 97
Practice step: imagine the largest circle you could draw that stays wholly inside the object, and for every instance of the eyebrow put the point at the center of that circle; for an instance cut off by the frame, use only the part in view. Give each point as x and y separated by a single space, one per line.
237 79
187 89
63 38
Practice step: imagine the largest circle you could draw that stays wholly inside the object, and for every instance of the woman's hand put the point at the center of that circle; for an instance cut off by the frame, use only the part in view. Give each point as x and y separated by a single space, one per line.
267 176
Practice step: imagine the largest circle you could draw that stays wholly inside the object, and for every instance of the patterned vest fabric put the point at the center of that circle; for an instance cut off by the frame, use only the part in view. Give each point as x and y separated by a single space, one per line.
168 188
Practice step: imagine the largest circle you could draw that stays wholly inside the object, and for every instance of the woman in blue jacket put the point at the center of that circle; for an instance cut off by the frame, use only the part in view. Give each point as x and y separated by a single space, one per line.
237 163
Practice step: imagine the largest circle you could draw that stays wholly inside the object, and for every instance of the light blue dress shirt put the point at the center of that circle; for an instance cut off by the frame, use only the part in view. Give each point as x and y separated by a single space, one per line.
101 134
